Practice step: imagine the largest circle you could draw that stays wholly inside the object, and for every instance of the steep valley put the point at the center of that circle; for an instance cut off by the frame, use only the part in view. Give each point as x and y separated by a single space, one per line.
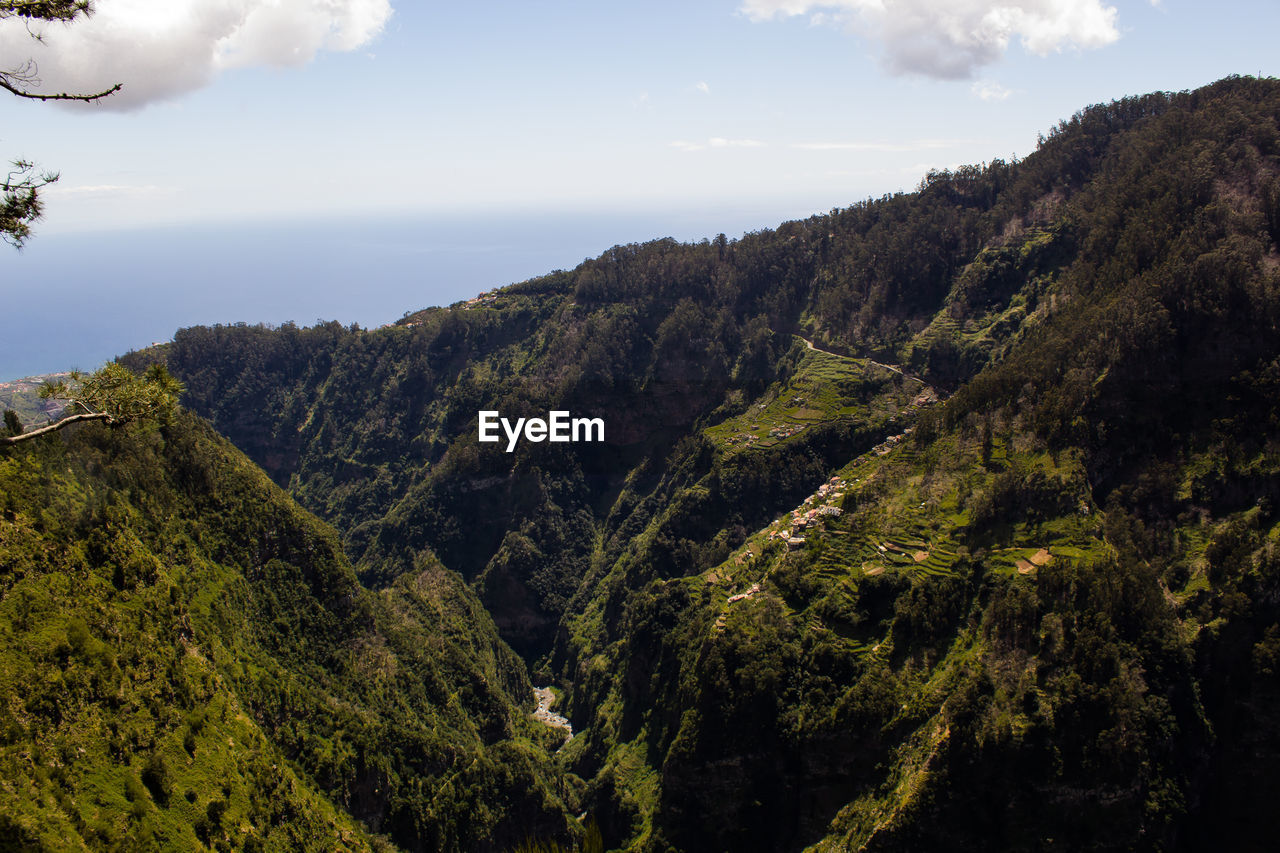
947 520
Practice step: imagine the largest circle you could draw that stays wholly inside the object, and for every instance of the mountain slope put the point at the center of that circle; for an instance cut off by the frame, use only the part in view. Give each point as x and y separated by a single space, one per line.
188 658
1045 611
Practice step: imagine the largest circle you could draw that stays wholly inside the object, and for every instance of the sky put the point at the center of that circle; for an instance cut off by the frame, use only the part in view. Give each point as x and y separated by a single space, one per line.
307 117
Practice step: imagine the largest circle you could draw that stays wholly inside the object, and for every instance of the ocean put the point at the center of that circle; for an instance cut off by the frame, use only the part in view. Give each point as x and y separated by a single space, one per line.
74 301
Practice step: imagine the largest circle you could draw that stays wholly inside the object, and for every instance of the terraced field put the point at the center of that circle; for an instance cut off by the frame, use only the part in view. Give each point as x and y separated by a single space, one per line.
824 388
908 546
880 515
890 510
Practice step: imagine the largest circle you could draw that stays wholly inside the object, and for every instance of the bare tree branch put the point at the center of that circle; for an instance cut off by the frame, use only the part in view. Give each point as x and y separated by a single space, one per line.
21 81
60 96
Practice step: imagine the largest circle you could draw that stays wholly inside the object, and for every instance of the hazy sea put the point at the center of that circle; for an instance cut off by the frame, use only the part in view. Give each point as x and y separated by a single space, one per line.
78 300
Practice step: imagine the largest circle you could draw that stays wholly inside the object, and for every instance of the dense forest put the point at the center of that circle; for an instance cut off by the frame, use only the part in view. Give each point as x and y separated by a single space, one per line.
946 520
189 659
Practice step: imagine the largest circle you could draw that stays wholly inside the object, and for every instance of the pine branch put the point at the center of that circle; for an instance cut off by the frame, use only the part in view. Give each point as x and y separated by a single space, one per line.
7 440
45 10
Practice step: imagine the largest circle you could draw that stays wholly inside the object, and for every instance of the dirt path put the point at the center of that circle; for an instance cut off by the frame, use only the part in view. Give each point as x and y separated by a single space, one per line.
893 367
810 345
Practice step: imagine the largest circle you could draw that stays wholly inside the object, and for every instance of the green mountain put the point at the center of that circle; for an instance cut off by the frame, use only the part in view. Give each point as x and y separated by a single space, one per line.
946 520
189 661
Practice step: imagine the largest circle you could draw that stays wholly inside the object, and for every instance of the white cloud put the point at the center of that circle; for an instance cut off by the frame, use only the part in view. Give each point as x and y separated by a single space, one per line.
952 40
160 49
106 189
989 90
703 87
717 142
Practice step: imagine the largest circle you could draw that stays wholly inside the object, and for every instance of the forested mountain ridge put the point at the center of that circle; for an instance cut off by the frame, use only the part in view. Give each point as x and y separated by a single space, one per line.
1041 613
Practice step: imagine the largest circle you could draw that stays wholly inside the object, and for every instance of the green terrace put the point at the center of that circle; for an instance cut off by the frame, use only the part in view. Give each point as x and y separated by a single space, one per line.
825 387
886 513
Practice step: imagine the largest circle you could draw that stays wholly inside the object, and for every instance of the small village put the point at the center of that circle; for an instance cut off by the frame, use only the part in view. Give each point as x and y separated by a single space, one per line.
488 297
747 439
808 517
811 516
